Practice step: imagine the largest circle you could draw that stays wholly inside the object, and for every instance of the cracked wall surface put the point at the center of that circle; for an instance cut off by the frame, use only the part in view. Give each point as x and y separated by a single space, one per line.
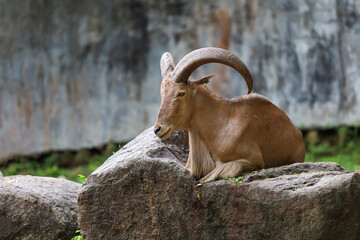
79 74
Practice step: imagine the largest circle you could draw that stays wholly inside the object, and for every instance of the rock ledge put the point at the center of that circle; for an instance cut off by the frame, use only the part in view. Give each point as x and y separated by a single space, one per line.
37 208
144 192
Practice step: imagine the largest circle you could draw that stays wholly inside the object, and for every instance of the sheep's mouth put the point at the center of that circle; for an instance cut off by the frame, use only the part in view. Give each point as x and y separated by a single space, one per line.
162 136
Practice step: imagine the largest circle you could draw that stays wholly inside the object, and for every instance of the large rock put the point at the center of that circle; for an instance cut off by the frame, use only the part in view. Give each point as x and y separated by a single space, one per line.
37 208
77 74
144 192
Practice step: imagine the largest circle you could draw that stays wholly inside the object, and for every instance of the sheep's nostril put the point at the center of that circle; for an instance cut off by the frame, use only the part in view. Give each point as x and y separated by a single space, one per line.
156 130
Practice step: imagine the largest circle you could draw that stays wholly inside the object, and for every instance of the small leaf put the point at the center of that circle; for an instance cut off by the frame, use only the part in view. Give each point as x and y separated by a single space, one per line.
239 179
82 177
200 184
198 196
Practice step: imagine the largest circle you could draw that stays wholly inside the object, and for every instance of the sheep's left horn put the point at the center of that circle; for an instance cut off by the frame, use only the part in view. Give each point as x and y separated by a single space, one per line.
166 64
202 56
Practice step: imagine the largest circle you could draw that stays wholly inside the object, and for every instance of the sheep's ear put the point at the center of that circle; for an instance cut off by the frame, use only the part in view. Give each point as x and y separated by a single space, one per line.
202 80
166 64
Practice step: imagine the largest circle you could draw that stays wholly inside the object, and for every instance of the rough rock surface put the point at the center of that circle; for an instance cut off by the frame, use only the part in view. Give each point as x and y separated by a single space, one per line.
37 208
77 74
144 192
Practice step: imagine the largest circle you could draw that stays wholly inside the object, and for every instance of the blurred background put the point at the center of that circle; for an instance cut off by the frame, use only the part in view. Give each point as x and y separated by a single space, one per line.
78 78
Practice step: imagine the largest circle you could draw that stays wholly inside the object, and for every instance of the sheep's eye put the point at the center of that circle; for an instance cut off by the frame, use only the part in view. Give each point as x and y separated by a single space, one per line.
181 94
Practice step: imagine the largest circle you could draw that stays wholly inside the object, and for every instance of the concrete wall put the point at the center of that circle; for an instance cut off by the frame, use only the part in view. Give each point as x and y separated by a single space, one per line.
77 74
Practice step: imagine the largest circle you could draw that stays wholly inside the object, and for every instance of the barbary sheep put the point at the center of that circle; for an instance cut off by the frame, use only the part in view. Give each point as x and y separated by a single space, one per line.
227 137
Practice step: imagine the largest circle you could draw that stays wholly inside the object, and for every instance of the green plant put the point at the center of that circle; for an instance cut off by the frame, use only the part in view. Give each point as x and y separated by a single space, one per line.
200 184
50 166
82 177
236 181
346 151
78 237
198 196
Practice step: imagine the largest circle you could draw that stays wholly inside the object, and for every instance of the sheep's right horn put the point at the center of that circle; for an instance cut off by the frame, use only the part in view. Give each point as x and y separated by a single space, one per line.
202 56
166 64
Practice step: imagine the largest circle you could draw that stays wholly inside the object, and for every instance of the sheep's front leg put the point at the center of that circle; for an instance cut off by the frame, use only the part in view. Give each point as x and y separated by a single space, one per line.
229 169
201 166
189 165
200 162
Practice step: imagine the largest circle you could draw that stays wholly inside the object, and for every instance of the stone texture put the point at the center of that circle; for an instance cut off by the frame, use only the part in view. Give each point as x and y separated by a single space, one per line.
37 208
77 74
134 177
144 192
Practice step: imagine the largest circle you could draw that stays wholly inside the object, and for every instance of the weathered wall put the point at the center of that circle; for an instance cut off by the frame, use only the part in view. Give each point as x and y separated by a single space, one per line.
80 73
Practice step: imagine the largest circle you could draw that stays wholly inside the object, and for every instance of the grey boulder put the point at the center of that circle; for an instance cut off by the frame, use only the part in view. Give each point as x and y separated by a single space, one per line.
144 192
37 208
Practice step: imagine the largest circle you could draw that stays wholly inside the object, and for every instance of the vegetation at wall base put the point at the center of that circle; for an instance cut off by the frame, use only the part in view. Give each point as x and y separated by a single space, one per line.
71 165
341 145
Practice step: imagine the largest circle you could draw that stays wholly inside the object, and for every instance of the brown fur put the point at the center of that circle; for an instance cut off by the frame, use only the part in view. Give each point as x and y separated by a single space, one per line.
228 136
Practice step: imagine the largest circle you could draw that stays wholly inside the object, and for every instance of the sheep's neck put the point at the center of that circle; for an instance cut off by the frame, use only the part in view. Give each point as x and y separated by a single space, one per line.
209 116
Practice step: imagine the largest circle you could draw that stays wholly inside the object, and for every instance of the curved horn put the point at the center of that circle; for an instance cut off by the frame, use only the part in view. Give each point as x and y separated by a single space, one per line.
202 56
166 64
